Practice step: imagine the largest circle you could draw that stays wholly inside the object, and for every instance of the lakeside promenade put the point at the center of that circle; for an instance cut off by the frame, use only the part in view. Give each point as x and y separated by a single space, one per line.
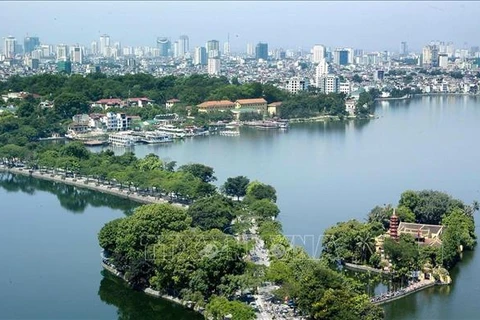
91 184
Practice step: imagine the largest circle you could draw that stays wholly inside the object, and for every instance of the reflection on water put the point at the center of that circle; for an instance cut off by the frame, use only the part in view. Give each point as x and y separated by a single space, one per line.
137 305
71 198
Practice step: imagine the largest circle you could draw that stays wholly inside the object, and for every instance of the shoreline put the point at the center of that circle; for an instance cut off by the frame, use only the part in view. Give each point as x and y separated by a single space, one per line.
149 291
92 185
329 118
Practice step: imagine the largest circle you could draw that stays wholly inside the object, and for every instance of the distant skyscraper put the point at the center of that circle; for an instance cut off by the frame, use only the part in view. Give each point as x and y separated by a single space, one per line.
94 48
226 48
164 45
30 43
250 49
261 51
77 54
62 52
104 44
403 48
340 57
318 53
430 55
9 47
213 66
213 48
176 52
183 45
64 66
200 57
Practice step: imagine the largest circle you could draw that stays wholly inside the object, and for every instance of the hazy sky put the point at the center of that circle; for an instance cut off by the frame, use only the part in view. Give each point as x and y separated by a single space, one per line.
376 25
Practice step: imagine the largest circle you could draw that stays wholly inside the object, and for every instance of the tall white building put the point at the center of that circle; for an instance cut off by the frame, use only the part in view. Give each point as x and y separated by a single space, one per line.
226 48
295 84
250 49
94 48
320 71
213 66
76 54
9 46
443 60
213 48
318 53
62 52
200 57
104 44
182 46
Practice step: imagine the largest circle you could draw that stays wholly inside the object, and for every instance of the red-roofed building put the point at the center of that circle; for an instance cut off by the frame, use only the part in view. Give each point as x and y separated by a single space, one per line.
108 103
218 105
139 102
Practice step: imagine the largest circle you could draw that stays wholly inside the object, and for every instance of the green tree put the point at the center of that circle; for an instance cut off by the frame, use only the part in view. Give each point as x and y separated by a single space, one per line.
219 307
203 172
211 213
70 104
236 187
258 191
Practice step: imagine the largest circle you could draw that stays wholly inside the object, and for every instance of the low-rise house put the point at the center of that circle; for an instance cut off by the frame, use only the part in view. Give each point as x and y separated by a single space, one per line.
350 106
139 102
108 103
218 105
273 108
171 103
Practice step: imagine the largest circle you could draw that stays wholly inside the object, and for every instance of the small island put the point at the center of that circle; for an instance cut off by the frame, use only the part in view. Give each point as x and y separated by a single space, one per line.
414 245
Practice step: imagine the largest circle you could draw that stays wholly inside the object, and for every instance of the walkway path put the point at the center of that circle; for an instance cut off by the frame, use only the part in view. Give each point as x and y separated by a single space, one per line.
394 295
90 184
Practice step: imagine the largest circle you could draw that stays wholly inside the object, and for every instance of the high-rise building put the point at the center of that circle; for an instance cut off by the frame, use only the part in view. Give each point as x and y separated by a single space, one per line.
94 48
226 48
261 51
64 66
295 84
9 47
378 75
104 44
164 45
62 52
329 83
200 57
318 53
340 57
320 71
403 49
430 55
213 66
213 48
443 60
183 45
30 44
250 49
76 52
176 52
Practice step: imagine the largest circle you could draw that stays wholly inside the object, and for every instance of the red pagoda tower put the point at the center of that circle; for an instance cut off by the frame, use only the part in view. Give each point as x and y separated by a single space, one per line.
393 231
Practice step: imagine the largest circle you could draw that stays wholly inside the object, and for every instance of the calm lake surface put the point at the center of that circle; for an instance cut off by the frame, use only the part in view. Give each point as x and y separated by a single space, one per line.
323 173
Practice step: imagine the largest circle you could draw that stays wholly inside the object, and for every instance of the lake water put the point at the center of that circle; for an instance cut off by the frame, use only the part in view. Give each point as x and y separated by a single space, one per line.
323 173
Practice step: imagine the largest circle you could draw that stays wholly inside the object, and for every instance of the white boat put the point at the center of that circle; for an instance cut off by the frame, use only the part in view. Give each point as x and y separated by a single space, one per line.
229 133
125 139
172 130
156 137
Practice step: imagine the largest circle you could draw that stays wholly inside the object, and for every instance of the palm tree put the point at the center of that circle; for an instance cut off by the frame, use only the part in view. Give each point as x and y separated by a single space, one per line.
365 242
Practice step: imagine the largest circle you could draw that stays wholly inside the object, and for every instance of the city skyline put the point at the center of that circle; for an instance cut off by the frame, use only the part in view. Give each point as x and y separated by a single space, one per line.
280 24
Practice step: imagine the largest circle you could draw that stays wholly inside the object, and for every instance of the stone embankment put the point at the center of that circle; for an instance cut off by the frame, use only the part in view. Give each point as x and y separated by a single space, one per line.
90 184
